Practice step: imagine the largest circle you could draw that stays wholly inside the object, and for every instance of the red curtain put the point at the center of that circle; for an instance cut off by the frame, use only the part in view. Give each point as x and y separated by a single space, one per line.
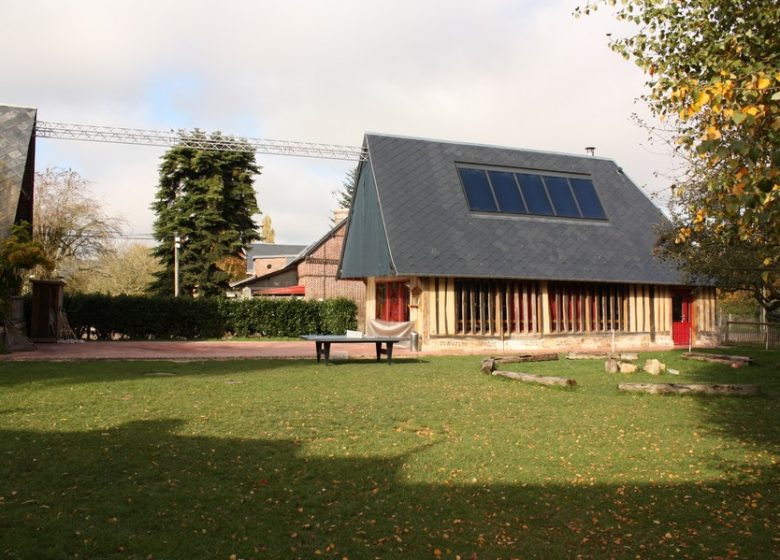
392 301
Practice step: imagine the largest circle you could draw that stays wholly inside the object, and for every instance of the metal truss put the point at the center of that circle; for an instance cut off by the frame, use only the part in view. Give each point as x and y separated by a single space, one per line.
196 139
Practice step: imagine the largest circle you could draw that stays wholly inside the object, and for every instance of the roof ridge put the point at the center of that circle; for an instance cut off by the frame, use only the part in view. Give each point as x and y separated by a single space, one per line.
489 146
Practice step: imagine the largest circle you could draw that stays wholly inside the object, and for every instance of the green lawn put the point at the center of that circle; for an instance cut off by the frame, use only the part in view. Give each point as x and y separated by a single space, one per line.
423 459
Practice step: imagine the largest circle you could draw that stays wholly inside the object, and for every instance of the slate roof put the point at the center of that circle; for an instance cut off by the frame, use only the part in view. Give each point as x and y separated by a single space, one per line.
266 250
17 125
430 231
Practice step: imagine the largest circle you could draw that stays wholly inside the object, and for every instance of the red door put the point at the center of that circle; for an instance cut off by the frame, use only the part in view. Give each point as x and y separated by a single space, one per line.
681 317
392 301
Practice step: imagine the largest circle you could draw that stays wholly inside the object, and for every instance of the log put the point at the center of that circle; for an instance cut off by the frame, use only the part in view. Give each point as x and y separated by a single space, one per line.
741 390
586 356
490 364
717 358
526 358
540 379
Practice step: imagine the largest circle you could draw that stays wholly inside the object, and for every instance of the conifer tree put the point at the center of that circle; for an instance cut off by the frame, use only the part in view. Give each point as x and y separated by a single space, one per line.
206 198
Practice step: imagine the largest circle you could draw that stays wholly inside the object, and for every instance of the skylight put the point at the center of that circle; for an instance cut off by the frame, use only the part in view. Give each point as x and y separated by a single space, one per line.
526 193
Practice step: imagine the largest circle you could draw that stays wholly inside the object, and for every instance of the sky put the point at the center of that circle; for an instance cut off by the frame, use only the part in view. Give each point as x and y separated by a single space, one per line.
517 73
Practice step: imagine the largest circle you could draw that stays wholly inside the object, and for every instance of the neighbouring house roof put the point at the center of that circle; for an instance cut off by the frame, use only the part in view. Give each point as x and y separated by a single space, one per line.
258 251
410 217
303 252
17 165
285 291
266 250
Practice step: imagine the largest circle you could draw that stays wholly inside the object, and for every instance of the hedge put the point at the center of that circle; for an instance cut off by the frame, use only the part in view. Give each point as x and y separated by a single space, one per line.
146 318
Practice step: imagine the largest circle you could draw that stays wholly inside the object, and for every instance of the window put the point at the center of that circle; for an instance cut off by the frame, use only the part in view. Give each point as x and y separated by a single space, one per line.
586 196
478 191
507 194
518 192
535 194
562 197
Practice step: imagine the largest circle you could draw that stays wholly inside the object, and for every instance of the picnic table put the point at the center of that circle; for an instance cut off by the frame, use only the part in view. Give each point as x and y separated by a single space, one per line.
322 343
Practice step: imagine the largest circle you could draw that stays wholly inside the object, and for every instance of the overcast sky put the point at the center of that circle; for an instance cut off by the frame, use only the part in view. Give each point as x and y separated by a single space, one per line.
518 73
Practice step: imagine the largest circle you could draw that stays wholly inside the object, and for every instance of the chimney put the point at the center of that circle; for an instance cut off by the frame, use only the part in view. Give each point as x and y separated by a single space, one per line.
340 214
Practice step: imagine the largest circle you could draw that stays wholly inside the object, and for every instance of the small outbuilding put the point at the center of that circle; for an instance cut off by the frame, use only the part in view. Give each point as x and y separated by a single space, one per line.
506 248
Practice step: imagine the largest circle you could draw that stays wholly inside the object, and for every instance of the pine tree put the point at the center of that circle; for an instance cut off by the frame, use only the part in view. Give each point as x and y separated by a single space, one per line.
347 191
207 199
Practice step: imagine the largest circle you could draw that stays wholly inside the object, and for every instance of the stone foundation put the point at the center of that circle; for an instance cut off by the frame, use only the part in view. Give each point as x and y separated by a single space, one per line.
594 342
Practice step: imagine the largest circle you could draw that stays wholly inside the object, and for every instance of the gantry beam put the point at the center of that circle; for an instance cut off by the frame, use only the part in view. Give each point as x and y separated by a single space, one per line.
181 138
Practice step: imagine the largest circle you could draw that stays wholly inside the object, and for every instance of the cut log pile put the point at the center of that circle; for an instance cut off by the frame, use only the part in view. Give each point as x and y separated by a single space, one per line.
741 390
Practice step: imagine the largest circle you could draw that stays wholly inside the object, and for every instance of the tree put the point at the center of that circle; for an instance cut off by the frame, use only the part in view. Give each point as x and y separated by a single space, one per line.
737 266
18 253
69 224
713 75
268 234
126 269
205 198
347 191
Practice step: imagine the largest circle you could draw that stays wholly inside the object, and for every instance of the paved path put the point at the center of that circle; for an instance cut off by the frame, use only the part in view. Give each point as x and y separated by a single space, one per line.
189 350
227 349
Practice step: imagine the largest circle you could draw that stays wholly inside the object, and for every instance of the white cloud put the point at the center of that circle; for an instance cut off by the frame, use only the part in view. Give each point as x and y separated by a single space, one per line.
517 73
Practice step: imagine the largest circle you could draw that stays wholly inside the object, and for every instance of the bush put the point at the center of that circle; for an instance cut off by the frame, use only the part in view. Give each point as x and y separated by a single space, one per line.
338 315
138 317
288 317
146 318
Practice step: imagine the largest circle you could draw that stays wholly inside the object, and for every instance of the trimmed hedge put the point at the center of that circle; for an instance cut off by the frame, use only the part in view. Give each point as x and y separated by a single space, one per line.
145 318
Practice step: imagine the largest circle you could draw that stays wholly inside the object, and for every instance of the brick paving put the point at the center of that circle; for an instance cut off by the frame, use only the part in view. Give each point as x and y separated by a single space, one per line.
189 350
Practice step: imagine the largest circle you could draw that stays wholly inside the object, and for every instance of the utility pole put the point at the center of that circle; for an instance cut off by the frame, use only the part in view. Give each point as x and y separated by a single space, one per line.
176 245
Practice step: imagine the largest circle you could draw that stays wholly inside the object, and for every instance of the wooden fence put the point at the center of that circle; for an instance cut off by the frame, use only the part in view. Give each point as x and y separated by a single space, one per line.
751 332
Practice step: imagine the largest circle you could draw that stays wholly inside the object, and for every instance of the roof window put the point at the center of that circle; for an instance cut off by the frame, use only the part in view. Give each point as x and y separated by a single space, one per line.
527 193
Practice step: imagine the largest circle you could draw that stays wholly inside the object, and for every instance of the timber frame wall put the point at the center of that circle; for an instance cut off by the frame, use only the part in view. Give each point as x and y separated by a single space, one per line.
490 308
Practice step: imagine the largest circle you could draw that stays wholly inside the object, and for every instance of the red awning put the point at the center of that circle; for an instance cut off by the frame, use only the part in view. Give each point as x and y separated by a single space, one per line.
286 291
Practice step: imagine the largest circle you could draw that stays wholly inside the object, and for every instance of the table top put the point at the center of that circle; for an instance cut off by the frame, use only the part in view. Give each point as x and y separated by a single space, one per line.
345 338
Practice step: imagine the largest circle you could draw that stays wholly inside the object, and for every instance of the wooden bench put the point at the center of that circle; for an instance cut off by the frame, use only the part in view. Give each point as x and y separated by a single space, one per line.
322 344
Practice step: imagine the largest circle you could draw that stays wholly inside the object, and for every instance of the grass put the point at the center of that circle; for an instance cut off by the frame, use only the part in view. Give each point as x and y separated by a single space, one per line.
423 459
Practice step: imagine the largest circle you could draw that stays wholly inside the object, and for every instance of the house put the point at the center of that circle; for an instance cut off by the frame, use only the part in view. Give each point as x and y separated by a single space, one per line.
17 166
265 258
513 249
310 274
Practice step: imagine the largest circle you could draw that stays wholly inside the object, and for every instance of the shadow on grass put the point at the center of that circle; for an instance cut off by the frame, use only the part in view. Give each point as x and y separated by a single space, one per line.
147 490
754 420
102 371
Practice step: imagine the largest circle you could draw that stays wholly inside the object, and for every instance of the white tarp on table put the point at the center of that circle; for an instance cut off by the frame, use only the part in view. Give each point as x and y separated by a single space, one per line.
393 329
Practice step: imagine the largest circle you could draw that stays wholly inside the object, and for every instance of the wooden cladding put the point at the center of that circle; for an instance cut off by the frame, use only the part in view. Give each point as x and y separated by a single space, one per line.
577 307
496 307
509 308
